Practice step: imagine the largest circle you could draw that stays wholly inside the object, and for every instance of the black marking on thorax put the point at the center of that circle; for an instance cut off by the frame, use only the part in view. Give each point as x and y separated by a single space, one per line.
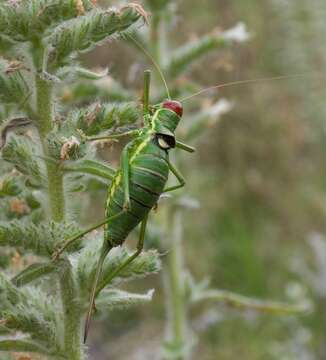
164 142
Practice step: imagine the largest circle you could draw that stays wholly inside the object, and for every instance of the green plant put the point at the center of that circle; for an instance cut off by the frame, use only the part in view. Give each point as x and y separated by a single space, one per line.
45 168
40 82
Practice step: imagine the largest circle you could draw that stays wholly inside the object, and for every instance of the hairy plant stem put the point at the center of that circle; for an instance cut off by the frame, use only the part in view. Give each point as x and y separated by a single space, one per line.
71 315
175 282
173 272
71 312
54 175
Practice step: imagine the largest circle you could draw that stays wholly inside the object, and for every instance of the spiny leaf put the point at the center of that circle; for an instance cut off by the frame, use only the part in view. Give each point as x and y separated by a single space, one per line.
22 153
187 54
28 320
10 186
40 240
22 345
8 292
33 272
114 298
12 86
99 117
28 19
75 72
145 264
90 75
83 33
66 143
28 310
246 303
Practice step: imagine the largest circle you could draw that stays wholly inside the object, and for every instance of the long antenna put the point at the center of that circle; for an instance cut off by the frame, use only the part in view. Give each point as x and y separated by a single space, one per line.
242 82
141 47
147 81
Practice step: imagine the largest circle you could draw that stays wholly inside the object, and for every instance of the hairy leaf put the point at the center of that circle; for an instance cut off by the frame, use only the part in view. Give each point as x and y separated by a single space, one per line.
29 310
9 294
83 33
187 54
33 272
99 117
12 85
114 298
10 186
66 143
27 20
88 74
246 303
40 240
22 153
145 264
23 345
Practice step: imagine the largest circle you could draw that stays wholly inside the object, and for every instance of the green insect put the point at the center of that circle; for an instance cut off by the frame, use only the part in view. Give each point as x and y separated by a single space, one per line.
137 185
139 182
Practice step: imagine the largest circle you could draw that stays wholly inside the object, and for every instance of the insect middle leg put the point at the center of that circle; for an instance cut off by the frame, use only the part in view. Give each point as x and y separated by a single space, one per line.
184 147
178 175
131 133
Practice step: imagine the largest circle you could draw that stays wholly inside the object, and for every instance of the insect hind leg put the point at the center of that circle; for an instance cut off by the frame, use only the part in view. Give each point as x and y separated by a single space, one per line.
96 289
139 249
106 248
70 241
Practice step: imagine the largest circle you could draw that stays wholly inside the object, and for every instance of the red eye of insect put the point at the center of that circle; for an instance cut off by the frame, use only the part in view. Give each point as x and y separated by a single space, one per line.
175 106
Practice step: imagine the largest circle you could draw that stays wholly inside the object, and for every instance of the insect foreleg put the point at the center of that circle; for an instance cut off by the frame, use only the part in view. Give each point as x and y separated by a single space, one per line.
178 175
114 136
118 270
184 146
82 233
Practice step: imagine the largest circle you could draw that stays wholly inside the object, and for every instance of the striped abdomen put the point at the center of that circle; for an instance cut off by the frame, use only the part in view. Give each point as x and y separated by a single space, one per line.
148 175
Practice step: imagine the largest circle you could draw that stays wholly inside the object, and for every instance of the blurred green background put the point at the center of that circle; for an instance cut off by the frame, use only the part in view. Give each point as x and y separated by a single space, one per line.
259 177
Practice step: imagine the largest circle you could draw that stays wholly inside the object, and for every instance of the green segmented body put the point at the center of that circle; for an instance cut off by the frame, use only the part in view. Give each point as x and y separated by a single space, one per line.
148 175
